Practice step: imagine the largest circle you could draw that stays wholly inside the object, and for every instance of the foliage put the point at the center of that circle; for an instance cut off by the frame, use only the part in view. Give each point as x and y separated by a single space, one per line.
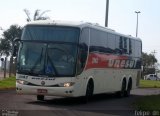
37 15
6 43
149 84
149 62
4 47
148 59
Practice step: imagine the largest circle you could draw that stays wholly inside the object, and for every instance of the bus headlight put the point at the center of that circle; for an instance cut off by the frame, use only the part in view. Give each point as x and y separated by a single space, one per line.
22 82
67 84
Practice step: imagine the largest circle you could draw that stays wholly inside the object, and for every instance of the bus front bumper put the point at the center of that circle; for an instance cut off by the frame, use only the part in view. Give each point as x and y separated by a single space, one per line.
39 90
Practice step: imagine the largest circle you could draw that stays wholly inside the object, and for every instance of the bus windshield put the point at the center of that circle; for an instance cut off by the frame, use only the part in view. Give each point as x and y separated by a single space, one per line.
39 55
51 33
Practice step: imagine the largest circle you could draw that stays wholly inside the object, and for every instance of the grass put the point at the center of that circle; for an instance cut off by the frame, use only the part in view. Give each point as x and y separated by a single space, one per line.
8 83
149 84
151 102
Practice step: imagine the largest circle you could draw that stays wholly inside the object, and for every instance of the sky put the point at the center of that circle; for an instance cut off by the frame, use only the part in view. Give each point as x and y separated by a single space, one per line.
122 16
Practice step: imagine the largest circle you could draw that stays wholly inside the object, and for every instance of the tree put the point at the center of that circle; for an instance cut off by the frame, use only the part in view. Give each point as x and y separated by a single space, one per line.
4 47
7 41
37 15
149 61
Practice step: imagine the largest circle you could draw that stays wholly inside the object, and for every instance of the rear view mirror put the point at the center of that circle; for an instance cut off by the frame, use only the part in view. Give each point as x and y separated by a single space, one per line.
16 40
15 47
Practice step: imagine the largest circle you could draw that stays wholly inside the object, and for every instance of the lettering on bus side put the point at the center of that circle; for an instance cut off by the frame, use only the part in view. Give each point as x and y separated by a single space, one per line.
42 78
117 63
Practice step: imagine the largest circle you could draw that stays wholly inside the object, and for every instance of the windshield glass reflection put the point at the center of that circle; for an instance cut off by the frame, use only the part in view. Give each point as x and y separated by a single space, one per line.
47 59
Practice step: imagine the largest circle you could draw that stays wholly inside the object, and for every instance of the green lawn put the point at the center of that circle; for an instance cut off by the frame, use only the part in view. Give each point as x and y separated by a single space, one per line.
8 83
151 102
149 84
147 103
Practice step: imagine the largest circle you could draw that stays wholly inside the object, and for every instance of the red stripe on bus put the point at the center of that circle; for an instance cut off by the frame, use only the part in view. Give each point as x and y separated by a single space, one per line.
97 60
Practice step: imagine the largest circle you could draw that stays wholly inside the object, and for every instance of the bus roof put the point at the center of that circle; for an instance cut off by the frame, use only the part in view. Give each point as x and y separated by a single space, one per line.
79 24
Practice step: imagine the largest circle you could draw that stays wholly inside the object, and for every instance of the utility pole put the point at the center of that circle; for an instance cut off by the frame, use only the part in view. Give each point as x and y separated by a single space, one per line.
137 12
107 9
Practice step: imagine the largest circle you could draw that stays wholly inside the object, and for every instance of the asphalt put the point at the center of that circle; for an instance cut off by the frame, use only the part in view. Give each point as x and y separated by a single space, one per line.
99 105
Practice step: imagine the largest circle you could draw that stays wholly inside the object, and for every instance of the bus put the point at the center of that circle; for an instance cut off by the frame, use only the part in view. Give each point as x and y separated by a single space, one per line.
75 59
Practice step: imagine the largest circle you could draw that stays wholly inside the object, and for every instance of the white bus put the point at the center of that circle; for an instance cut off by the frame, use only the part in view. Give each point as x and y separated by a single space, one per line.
57 58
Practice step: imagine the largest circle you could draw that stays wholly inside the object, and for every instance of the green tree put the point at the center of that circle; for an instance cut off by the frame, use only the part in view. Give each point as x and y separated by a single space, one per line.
7 41
148 60
4 47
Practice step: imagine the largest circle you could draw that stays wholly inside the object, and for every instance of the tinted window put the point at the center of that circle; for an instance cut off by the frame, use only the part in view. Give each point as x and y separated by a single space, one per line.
51 33
83 50
99 41
138 48
130 46
98 38
111 41
47 59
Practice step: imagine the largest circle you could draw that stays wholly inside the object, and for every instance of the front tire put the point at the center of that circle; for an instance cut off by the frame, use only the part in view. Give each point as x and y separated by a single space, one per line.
89 91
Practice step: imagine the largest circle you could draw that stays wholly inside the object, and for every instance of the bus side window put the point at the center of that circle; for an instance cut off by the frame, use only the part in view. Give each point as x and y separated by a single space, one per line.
138 48
133 47
123 45
111 45
130 46
82 54
82 50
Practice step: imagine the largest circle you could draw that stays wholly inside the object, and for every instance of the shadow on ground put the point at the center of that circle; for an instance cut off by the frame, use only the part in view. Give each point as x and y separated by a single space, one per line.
103 103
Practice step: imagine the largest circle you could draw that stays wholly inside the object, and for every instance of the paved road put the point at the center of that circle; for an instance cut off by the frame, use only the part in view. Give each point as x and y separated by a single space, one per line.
100 105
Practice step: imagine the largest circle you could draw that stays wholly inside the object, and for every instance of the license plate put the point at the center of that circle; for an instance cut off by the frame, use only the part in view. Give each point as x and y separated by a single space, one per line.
41 91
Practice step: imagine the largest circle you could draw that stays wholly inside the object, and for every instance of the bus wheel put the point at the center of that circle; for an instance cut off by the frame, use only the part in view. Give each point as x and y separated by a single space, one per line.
40 97
128 91
89 91
123 89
